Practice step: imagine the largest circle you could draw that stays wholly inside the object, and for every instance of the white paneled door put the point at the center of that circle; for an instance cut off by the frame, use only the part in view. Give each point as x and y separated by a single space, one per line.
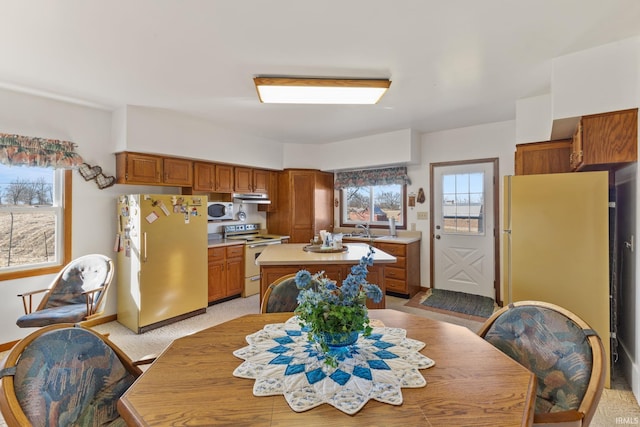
463 228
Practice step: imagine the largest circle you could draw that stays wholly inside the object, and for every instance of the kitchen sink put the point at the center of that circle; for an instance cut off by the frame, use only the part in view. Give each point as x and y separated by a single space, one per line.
362 236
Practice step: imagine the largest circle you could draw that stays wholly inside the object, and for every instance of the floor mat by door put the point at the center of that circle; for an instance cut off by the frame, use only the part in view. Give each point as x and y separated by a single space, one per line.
460 302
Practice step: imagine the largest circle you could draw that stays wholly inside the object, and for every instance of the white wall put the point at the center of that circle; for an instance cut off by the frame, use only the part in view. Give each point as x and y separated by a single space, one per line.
475 142
533 119
596 80
151 130
384 149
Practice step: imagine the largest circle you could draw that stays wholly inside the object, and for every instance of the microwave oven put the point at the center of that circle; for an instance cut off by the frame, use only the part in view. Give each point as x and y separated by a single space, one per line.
217 211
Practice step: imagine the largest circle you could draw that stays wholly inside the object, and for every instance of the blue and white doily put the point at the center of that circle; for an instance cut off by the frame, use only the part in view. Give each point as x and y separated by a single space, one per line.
282 361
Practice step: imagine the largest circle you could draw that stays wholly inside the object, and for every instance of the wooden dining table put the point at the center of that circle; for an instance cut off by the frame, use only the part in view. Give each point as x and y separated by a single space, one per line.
192 384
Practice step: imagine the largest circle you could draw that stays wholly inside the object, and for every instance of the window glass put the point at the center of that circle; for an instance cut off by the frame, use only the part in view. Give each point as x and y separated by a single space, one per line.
373 204
463 203
31 217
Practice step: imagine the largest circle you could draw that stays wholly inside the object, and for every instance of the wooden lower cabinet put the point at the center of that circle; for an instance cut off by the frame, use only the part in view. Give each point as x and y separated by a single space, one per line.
226 272
401 278
337 272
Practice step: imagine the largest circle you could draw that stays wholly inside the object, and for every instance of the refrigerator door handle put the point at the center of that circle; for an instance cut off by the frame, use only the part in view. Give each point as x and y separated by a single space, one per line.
144 247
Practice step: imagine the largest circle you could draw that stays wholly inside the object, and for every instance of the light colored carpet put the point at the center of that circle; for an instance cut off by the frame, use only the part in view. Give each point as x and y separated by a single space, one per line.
616 406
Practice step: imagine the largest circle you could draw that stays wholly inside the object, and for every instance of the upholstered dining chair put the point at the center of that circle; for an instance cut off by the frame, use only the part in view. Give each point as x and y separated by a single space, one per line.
564 353
281 295
63 375
76 293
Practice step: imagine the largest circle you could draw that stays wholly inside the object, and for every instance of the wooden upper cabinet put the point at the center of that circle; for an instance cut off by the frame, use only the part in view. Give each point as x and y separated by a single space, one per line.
606 140
224 179
134 168
243 180
178 171
204 176
261 180
248 180
543 157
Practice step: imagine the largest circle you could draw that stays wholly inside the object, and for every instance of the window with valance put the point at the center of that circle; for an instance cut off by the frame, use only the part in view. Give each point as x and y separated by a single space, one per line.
35 186
373 196
361 178
17 150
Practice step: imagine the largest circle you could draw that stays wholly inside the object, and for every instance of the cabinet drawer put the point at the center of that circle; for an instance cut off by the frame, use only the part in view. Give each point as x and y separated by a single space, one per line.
235 251
395 285
394 273
393 249
216 254
401 262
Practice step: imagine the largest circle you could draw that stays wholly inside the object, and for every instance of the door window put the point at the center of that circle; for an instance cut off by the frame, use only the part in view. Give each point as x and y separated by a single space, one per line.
463 203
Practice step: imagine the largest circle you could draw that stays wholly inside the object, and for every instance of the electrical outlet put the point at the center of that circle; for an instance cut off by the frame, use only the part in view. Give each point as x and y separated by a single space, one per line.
423 215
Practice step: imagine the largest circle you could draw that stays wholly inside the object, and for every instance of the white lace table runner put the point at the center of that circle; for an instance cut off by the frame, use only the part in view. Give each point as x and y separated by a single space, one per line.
282 361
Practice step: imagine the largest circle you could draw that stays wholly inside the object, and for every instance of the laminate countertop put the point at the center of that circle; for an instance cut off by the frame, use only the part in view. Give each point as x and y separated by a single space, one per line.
294 254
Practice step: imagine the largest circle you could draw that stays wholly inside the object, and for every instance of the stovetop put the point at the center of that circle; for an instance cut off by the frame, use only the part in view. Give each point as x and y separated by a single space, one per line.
250 233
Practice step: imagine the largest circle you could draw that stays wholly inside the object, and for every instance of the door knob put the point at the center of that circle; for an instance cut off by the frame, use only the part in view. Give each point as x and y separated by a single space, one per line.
438 236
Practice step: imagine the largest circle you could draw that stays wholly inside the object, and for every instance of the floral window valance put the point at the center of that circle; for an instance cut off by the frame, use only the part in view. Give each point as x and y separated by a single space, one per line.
361 178
17 150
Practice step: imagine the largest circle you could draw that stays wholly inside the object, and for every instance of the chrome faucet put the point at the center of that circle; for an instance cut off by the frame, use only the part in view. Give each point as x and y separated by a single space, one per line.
365 229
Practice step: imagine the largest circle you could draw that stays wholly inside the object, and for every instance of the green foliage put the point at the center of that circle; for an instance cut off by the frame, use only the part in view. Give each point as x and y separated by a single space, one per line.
325 307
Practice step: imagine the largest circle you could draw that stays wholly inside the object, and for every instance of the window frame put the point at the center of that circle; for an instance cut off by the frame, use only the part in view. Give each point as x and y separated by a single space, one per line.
403 203
65 246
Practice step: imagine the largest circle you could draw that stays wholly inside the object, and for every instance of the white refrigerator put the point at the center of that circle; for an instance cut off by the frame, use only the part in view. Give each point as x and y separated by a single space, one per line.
557 244
162 259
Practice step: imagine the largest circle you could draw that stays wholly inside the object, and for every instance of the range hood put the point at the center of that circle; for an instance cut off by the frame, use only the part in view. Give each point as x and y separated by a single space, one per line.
251 198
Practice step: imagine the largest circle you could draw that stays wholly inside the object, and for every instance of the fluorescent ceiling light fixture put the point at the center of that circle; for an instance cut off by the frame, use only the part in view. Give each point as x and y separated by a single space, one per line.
289 90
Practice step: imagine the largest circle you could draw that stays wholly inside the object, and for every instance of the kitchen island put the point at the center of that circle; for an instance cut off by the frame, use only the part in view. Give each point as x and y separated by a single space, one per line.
279 260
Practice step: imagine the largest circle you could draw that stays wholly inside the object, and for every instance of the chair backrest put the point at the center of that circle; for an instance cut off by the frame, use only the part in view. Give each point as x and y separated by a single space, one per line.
281 295
566 355
64 375
83 274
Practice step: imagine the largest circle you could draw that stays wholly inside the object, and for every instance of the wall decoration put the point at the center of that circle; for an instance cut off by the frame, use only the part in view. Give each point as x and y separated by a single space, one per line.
421 197
89 172
412 200
105 181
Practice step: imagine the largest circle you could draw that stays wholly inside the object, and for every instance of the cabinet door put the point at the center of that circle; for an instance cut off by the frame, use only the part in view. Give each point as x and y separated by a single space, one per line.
272 191
224 178
323 203
576 148
543 157
243 180
260 181
609 138
178 172
133 168
302 213
204 176
217 274
235 276
235 269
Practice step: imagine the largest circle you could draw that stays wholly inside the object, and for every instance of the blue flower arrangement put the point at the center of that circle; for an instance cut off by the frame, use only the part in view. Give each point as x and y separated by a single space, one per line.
330 312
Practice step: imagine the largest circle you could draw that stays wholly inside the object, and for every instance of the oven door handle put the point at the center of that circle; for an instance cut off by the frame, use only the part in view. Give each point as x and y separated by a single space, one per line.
257 245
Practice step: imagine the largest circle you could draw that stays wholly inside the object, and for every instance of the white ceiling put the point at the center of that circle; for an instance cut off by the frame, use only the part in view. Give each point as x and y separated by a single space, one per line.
453 63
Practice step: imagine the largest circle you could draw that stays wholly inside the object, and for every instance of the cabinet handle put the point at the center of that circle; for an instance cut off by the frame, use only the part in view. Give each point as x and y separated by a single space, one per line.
144 246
